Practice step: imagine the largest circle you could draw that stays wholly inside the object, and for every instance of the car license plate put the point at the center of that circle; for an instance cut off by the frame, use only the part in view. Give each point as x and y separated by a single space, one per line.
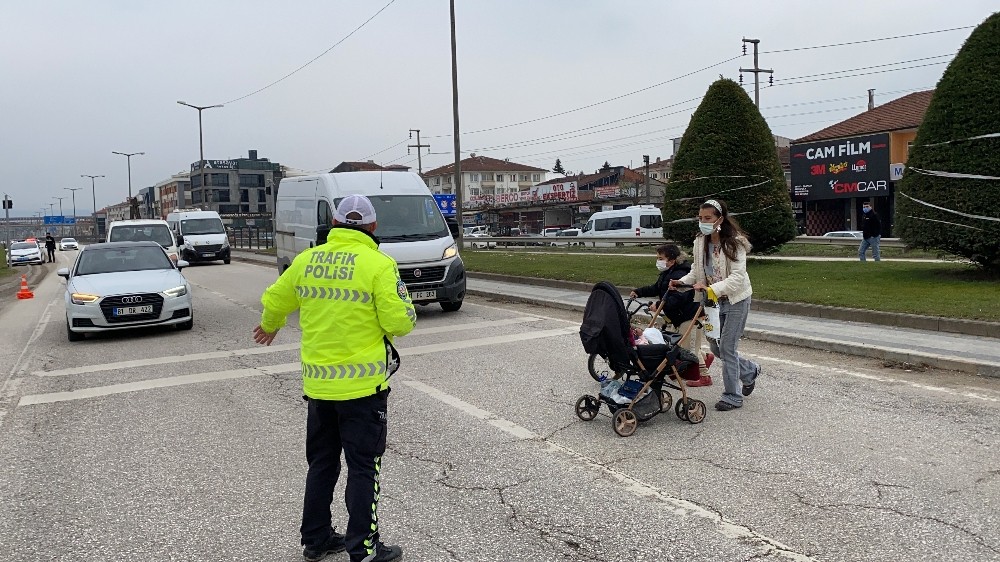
423 295
130 310
207 254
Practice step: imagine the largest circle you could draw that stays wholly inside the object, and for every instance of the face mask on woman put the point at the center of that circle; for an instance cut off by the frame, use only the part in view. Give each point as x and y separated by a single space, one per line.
662 265
707 228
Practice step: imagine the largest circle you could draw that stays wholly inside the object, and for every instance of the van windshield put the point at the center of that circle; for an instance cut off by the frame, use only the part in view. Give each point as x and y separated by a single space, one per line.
407 218
209 225
158 233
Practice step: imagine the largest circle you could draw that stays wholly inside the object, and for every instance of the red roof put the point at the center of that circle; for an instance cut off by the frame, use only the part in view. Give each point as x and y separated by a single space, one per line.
906 112
483 164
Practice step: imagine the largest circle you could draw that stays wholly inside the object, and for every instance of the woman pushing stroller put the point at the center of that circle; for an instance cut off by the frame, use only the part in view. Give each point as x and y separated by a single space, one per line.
720 263
678 307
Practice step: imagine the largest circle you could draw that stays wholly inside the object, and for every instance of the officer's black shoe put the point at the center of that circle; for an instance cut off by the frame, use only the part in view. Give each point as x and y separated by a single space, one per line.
383 553
334 544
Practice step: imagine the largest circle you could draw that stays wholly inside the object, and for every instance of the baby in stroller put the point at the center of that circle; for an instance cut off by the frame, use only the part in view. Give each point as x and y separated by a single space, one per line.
641 373
679 307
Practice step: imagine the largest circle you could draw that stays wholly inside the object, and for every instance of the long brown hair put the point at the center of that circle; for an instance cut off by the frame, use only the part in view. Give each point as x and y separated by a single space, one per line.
731 236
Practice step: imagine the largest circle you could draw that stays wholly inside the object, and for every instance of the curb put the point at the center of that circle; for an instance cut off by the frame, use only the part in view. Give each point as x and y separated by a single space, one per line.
986 369
894 319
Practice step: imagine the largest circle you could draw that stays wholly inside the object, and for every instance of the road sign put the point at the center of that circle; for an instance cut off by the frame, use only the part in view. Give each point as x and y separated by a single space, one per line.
8 203
446 202
69 220
54 219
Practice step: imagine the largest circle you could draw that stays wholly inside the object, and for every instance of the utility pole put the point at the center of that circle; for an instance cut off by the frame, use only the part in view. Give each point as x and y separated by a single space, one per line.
73 190
7 204
93 192
60 214
458 144
645 159
756 70
418 146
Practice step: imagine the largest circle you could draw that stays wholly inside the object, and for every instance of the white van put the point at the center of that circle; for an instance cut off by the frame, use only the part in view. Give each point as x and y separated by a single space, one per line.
141 230
411 228
637 221
201 236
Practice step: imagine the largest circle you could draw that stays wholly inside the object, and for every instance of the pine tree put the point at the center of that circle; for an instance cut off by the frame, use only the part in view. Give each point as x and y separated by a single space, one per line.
964 105
606 166
558 168
728 136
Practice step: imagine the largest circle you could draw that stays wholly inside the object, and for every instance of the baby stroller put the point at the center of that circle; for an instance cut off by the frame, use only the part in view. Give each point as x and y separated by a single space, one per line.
642 374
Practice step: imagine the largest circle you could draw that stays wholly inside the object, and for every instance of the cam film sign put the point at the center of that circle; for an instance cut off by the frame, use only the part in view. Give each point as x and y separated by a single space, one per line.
842 168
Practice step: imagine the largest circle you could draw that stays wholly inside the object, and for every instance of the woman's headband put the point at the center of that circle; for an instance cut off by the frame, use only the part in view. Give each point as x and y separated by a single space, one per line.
715 204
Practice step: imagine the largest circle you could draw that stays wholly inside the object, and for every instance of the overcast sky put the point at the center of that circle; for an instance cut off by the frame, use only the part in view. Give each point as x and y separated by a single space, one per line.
82 79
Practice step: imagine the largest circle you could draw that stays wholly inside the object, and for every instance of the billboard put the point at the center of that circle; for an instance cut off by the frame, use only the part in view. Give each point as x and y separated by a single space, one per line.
842 168
551 192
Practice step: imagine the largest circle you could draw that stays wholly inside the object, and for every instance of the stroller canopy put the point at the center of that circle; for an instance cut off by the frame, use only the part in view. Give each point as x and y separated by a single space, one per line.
605 328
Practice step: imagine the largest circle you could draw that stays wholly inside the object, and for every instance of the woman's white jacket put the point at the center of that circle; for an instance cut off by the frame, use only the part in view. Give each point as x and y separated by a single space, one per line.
735 284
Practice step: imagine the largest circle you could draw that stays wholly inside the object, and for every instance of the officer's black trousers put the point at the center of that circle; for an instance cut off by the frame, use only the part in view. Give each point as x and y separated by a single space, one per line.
51 254
358 428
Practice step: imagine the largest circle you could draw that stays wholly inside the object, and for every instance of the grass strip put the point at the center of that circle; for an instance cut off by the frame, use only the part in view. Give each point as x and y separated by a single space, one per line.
950 290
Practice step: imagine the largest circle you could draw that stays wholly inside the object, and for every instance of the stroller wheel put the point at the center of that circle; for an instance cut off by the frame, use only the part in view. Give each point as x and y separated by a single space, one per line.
696 411
666 401
681 410
598 367
587 407
625 422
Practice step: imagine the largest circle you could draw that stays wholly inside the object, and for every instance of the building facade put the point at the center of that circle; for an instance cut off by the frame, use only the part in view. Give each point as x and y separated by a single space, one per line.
485 180
837 169
241 187
172 193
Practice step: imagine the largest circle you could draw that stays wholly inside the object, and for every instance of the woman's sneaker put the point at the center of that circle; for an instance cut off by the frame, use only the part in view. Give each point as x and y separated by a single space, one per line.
383 553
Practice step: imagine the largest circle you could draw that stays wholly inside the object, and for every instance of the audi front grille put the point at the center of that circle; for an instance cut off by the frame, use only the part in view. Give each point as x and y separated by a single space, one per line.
110 303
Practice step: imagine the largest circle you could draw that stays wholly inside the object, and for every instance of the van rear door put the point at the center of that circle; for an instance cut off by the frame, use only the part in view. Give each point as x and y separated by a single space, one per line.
295 218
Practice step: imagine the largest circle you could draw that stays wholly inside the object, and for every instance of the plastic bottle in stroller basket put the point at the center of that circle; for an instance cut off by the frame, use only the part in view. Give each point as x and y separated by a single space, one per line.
610 390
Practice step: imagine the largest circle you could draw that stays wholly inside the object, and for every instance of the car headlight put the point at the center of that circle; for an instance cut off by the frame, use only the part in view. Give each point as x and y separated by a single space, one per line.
83 298
450 252
176 291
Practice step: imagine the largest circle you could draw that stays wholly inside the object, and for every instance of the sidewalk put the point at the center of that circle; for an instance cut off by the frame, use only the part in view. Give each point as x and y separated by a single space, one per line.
970 354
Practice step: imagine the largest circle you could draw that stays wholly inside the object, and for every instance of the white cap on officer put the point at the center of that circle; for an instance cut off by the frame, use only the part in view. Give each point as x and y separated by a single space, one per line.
355 204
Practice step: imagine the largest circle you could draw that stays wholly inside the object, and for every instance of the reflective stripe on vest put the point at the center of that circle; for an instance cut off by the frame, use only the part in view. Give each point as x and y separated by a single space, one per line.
333 293
343 371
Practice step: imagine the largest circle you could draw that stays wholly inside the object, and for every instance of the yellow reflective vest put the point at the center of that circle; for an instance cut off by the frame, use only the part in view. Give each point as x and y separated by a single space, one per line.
351 303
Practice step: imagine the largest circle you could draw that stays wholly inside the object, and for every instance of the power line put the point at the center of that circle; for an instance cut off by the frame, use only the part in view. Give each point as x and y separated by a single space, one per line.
387 149
317 57
865 67
860 74
595 104
866 40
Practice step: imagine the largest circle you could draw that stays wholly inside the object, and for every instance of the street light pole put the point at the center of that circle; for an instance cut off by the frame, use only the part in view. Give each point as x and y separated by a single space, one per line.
458 146
60 214
128 156
73 190
93 192
201 139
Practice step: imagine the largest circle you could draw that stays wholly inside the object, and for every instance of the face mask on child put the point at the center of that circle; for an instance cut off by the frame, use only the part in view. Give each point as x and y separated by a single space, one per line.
661 265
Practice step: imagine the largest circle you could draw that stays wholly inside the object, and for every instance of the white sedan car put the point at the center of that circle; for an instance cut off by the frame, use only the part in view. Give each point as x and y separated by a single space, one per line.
123 286
68 244
24 253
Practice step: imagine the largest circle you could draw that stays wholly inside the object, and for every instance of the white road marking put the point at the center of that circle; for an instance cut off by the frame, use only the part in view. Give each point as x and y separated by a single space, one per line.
877 378
679 507
171 359
35 334
94 392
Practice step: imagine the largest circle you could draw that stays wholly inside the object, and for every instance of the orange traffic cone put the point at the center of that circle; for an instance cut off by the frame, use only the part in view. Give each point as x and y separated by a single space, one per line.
25 292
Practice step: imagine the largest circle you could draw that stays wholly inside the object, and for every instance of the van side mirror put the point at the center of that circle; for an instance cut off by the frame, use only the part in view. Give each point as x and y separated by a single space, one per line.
453 226
322 233
180 240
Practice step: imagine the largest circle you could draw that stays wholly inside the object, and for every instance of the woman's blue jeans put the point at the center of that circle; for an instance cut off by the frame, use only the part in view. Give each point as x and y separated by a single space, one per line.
736 371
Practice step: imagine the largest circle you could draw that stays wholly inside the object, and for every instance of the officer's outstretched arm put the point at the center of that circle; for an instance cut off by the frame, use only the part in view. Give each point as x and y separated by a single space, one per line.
392 303
280 300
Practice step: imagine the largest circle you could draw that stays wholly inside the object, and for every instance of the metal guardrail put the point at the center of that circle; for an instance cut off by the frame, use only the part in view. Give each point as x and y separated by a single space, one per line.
251 238
481 242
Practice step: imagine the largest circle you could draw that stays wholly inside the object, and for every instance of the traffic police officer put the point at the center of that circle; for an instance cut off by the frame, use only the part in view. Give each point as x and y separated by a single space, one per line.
352 304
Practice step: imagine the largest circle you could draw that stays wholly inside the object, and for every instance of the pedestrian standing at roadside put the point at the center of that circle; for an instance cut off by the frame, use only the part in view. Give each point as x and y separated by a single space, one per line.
351 304
871 232
50 247
677 306
720 263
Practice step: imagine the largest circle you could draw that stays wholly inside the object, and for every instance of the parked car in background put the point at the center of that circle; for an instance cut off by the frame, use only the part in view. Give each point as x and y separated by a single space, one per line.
567 237
24 253
551 231
123 286
69 244
844 234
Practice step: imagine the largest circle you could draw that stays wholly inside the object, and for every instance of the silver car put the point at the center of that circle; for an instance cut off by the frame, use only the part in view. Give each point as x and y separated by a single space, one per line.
125 285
